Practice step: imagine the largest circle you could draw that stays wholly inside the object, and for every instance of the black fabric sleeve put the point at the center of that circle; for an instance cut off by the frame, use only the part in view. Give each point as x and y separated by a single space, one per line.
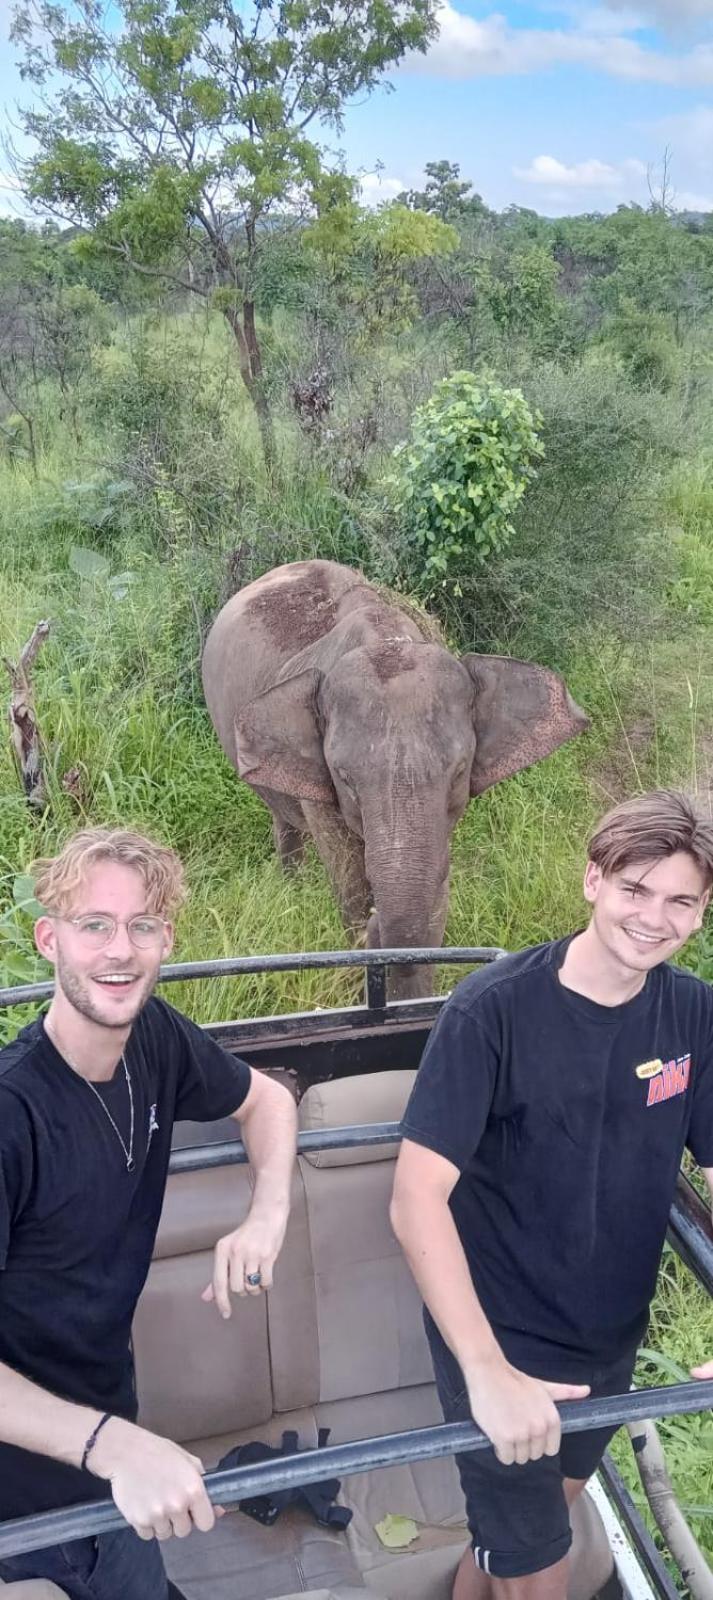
454 1087
700 1127
16 1167
210 1082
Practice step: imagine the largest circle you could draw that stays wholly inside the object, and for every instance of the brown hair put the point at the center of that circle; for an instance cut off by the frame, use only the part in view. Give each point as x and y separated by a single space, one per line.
59 879
650 827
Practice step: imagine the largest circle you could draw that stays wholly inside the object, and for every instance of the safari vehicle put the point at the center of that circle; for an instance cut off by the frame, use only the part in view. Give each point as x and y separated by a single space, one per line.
337 1344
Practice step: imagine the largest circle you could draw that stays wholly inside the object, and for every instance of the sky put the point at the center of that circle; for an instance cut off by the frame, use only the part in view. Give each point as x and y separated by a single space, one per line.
561 105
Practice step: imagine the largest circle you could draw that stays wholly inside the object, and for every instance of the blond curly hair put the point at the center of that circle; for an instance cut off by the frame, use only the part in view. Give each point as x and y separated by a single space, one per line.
59 879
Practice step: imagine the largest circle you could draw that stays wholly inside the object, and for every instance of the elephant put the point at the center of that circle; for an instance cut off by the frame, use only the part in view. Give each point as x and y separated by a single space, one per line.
357 728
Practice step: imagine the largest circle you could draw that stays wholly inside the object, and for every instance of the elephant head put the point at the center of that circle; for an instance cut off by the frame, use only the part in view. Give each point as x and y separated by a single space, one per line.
399 735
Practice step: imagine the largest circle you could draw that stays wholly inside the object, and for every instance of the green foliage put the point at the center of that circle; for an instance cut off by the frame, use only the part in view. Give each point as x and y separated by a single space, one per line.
165 412
642 257
519 288
591 549
645 343
458 482
446 194
397 234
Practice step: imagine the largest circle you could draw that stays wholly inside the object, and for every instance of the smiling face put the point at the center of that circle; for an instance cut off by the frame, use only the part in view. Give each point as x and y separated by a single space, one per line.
108 986
645 912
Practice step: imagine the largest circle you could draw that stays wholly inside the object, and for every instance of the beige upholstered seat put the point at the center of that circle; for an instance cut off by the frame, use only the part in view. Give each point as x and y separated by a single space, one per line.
337 1343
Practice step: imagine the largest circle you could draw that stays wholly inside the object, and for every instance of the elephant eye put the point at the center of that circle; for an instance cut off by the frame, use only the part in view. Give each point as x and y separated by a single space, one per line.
346 780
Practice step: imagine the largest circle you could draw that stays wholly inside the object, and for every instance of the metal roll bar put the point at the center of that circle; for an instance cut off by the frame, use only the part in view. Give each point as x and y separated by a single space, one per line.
374 963
364 1455
636 1528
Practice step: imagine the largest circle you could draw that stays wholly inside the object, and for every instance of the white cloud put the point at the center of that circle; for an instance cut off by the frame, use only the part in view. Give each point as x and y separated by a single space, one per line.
469 48
374 188
592 174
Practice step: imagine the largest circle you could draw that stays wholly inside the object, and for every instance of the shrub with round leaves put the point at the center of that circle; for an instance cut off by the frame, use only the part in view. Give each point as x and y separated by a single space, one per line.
459 479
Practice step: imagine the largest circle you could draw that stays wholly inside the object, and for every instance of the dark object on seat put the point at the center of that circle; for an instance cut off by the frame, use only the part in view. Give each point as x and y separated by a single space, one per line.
174 1593
318 1497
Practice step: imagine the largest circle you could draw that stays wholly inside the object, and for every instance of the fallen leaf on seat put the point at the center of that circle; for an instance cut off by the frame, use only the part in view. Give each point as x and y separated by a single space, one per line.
396 1532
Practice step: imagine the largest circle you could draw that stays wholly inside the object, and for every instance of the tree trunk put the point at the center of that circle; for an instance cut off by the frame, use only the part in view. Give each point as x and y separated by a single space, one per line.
251 372
24 732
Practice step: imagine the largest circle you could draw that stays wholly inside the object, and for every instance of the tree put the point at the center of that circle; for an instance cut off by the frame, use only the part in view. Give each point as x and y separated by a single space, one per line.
370 258
174 132
49 326
446 194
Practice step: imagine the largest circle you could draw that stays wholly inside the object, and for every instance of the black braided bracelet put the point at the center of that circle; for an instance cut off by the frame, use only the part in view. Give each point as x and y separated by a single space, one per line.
91 1441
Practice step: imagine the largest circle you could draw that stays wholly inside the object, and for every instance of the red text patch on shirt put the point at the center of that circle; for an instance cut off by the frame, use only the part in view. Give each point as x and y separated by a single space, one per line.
673 1079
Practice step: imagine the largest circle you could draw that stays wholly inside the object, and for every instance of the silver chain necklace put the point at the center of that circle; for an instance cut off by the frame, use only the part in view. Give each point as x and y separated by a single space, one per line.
128 1154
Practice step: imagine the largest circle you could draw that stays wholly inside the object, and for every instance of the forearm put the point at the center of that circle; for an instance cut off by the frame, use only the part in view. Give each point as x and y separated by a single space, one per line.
35 1420
428 1236
270 1136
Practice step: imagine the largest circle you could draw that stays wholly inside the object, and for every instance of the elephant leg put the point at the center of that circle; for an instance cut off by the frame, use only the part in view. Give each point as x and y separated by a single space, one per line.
342 853
289 843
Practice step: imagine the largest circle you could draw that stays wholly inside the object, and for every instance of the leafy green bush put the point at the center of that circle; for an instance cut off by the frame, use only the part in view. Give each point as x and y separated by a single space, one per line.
589 550
458 481
646 345
167 408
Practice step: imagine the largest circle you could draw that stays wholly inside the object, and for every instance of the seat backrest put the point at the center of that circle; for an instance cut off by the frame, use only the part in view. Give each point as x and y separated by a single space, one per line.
360 1329
196 1373
344 1316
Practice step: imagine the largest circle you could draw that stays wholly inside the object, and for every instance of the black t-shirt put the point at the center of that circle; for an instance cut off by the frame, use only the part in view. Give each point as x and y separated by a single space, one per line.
77 1229
568 1157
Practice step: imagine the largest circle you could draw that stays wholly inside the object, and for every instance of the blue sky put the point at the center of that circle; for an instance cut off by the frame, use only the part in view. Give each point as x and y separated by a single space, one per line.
562 105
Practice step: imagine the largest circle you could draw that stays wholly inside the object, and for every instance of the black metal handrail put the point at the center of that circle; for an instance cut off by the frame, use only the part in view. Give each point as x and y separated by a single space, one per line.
628 1514
363 1455
232 1152
300 961
690 1232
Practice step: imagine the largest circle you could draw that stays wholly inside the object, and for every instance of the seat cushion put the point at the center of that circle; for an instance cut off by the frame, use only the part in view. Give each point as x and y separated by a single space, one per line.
240 1557
295 1552
346 1102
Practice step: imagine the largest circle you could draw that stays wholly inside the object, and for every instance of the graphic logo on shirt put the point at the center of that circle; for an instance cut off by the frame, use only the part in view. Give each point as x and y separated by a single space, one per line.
649 1069
153 1123
671 1079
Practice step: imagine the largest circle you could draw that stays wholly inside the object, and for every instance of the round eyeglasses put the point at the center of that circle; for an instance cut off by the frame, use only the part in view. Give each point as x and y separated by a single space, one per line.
97 930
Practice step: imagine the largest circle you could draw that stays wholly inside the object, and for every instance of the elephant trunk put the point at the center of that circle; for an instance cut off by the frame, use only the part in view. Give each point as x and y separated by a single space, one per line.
409 886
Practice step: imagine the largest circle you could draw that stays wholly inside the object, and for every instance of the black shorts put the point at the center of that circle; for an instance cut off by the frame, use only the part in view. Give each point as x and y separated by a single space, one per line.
517 1515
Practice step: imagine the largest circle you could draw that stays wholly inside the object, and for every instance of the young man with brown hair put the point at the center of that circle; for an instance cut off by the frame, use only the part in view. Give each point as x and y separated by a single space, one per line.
541 1146
88 1097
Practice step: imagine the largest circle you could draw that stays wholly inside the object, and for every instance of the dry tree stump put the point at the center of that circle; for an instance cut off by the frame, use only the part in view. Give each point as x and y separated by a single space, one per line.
24 732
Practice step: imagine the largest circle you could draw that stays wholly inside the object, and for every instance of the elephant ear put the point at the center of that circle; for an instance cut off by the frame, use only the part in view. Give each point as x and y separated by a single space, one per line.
522 713
278 744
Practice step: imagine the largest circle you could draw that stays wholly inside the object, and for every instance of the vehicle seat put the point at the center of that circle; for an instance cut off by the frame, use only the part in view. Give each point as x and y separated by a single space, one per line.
338 1342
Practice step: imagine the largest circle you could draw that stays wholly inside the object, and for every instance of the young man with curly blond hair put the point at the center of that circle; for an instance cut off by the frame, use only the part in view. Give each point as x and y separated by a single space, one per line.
89 1094
542 1143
